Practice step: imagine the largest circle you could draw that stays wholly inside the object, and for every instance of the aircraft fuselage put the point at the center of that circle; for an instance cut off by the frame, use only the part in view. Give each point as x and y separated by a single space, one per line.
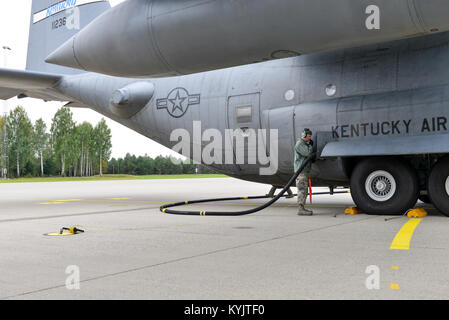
397 90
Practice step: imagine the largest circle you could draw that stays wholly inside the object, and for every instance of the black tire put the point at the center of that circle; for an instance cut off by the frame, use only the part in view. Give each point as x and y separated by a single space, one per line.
384 186
425 199
438 185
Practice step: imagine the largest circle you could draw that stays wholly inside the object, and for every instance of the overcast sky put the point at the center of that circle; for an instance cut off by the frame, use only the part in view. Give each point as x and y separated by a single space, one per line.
14 29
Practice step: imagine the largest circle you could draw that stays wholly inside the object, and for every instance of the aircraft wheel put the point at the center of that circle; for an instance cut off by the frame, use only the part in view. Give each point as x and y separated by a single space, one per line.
384 186
438 185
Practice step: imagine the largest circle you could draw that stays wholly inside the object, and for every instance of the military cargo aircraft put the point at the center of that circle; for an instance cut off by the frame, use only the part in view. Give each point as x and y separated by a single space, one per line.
369 78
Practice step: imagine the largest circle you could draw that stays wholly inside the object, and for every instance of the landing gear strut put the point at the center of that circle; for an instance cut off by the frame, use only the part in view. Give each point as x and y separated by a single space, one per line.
273 190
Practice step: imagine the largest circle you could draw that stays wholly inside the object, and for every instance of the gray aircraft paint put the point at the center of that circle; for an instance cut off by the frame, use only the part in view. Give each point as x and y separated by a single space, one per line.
392 92
172 37
388 105
48 29
51 30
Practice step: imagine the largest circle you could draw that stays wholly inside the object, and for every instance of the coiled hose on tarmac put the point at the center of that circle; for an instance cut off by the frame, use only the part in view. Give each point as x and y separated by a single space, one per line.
165 209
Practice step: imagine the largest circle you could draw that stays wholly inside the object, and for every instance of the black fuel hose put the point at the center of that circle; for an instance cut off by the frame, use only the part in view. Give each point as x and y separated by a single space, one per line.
165 209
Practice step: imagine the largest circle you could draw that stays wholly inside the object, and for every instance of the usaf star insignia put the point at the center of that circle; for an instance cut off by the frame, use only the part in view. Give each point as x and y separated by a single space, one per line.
177 102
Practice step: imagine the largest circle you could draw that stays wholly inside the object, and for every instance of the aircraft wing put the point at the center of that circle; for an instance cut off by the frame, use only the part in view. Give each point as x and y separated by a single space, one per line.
32 84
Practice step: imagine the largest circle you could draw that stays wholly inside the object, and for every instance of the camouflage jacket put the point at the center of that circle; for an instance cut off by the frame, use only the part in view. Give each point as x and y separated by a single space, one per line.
302 151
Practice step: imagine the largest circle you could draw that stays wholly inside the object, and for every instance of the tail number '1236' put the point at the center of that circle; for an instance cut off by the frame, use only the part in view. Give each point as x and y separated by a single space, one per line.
71 20
58 23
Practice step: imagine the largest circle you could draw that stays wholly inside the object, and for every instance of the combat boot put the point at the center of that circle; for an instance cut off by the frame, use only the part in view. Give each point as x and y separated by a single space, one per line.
303 211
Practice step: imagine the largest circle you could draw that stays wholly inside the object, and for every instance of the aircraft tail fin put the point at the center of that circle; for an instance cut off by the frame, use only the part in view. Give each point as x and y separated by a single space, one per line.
52 23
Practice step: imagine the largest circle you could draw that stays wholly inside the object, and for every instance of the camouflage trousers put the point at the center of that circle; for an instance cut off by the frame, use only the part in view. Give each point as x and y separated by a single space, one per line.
302 183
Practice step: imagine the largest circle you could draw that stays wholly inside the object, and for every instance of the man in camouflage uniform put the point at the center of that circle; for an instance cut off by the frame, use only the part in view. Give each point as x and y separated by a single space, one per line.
303 149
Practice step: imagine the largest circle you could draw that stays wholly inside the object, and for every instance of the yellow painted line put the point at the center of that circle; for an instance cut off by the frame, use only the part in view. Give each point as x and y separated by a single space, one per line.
394 268
394 286
55 202
61 201
119 198
404 236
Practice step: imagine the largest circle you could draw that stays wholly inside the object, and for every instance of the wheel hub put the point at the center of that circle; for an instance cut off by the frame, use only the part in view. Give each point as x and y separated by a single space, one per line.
381 185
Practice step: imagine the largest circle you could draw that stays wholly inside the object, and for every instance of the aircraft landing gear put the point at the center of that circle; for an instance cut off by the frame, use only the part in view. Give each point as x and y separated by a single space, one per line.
438 185
425 199
384 186
273 190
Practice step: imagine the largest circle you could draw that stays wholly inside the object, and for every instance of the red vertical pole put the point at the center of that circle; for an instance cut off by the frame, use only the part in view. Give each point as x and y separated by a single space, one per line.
310 190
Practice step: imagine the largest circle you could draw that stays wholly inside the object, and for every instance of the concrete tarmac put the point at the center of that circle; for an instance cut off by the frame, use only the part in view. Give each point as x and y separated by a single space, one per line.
130 250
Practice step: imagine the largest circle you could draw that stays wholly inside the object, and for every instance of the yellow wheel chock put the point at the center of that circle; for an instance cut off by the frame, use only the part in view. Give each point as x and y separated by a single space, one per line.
352 210
417 213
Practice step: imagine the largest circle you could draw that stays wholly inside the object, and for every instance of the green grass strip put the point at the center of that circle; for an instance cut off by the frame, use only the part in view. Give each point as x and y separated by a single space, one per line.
110 177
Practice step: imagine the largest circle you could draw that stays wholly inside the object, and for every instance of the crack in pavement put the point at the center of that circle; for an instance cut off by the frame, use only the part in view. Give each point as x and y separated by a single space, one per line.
189 257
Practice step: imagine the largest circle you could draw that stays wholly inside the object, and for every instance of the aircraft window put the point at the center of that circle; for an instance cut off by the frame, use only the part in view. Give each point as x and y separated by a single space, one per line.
244 114
331 90
289 95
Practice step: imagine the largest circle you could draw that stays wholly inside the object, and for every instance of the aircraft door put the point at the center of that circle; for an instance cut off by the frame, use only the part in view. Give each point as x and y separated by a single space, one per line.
320 117
282 120
244 122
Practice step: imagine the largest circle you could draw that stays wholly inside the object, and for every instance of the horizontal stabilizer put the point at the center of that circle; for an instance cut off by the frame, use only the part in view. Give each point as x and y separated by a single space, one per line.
75 104
26 80
7 93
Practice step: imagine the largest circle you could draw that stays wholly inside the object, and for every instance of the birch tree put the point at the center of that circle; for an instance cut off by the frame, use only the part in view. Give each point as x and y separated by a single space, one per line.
20 133
61 130
103 145
40 141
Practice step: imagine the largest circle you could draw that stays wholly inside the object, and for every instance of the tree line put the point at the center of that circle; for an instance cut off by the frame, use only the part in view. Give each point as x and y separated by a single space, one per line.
145 165
66 149
70 149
